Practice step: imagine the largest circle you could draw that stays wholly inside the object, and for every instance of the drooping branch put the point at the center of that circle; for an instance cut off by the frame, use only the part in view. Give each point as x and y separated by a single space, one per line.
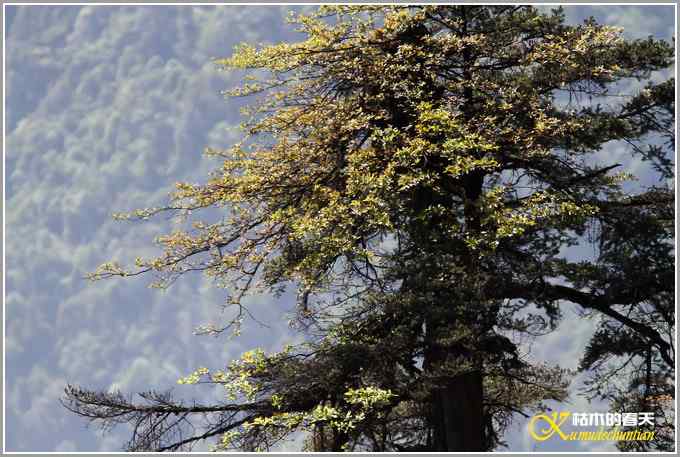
604 303
160 423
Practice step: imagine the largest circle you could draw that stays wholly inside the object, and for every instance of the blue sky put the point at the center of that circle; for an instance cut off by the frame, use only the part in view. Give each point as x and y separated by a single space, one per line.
106 108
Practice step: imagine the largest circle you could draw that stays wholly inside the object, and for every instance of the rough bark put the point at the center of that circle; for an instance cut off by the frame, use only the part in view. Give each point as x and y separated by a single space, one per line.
457 408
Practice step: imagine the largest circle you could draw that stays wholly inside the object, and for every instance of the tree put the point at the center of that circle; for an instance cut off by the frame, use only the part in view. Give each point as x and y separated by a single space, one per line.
416 174
637 260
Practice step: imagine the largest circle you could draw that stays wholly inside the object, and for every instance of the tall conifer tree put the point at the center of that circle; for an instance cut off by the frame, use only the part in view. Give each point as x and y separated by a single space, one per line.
416 173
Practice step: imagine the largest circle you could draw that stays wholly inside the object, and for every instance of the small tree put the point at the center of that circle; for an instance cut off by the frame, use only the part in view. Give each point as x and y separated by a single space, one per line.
416 173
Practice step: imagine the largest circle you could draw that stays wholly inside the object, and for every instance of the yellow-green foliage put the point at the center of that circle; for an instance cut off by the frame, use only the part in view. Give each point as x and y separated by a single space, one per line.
315 182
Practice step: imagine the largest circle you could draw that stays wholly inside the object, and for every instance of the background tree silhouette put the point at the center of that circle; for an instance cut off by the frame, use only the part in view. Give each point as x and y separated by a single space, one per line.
416 173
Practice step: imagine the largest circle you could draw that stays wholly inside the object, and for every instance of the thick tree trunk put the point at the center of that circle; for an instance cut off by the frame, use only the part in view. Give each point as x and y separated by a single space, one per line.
456 402
457 415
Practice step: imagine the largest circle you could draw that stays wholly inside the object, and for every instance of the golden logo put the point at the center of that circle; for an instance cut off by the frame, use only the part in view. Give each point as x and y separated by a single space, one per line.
543 426
553 422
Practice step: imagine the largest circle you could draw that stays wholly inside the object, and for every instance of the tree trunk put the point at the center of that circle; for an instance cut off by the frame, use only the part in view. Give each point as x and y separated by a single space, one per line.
456 400
457 414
